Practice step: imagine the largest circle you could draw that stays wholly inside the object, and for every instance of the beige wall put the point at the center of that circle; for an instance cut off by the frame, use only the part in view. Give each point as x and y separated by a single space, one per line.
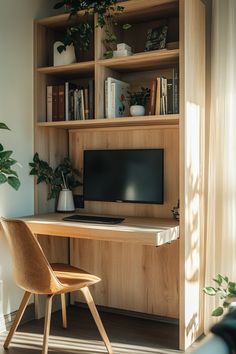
16 110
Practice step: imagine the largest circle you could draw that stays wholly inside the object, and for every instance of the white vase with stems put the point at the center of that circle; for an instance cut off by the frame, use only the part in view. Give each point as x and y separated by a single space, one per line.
65 201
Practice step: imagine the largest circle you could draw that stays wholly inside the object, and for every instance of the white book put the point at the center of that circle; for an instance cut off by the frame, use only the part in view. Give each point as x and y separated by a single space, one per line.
117 97
106 99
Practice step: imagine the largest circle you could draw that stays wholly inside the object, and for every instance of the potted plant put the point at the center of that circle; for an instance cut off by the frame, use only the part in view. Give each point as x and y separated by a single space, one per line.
225 290
7 174
60 180
80 34
137 101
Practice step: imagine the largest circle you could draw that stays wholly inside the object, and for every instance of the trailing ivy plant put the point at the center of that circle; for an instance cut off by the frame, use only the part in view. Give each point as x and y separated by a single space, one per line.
139 97
81 33
63 176
7 174
225 289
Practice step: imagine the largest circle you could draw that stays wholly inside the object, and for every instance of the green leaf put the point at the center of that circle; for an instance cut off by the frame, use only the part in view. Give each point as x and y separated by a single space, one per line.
218 311
31 164
4 155
1 147
225 304
33 172
232 288
36 157
3 178
61 48
126 26
14 182
4 126
219 279
209 290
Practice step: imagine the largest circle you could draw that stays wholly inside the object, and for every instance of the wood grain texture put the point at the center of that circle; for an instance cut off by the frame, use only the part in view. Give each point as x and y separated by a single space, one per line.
170 119
192 151
144 231
134 138
134 277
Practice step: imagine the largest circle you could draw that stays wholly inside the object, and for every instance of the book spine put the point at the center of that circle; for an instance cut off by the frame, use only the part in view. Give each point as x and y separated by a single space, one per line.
61 102
158 97
91 99
54 103
170 98
66 100
113 101
82 104
49 103
86 104
176 91
153 97
106 98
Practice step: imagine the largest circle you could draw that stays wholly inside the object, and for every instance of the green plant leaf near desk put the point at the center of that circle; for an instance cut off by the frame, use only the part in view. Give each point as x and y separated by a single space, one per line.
63 176
7 174
225 290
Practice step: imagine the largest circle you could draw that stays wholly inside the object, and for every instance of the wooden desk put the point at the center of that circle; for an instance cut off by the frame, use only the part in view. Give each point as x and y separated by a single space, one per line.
136 275
145 231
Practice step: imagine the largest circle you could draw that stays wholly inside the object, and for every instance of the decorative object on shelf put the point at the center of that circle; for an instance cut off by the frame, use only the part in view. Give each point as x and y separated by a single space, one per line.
156 38
66 57
81 33
175 211
225 290
123 50
7 174
137 101
64 176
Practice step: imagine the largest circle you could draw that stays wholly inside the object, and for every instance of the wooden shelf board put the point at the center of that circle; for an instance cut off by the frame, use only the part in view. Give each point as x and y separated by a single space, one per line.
143 61
172 119
84 68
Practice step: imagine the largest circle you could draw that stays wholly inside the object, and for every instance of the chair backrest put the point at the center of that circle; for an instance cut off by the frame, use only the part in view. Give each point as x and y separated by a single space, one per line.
32 271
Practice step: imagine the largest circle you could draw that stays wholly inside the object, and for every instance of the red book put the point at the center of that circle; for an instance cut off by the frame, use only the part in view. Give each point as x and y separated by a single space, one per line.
61 102
55 90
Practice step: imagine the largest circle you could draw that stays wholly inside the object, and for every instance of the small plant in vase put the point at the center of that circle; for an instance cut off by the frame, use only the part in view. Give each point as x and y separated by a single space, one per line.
79 34
137 101
225 290
60 180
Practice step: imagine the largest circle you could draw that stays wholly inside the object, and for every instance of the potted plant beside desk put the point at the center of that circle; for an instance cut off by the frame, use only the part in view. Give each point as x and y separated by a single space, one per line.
60 180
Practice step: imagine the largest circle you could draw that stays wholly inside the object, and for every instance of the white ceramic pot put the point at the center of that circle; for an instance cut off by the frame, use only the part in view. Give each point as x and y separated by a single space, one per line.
137 110
65 201
66 57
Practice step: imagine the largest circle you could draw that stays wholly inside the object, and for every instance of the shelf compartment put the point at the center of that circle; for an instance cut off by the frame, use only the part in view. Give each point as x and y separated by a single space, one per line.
172 119
83 68
143 61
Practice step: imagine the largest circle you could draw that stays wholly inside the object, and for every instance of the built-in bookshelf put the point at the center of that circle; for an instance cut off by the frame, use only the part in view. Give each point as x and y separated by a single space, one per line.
180 134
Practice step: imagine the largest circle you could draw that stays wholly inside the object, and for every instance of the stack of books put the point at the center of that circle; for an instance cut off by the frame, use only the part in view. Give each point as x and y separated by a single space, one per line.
164 95
116 98
70 102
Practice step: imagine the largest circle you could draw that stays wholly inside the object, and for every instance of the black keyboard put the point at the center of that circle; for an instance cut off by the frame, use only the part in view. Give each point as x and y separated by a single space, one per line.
93 219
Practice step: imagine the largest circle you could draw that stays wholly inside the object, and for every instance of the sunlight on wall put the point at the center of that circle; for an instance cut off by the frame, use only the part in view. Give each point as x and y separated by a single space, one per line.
193 201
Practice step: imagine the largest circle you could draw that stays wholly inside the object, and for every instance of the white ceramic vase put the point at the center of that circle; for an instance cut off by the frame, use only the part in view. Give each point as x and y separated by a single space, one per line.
137 110
64 58
65 201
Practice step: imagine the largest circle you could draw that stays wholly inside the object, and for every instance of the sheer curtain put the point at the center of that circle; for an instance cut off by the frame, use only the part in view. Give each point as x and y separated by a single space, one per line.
221 217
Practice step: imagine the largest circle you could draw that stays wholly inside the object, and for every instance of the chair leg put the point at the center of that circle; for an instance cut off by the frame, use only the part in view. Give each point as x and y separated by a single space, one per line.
36 307
97 319
63 309
19 314
47 323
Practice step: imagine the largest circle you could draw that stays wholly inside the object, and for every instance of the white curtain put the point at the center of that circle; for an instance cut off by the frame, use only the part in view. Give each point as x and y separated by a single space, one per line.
221 218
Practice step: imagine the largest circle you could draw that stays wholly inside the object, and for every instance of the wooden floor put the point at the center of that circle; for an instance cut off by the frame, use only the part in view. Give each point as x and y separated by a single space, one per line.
127 334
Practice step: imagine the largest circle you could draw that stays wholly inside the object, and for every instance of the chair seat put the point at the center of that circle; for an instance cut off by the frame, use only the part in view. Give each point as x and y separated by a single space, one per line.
72 278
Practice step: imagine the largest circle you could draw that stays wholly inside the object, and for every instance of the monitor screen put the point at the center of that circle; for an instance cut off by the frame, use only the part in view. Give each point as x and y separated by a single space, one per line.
135 176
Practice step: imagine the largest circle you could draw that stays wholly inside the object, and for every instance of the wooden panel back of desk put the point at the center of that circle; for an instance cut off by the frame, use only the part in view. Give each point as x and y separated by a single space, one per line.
132 138
135 278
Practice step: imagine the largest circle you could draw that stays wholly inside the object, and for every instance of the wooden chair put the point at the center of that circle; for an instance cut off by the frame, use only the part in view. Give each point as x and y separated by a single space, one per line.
35 275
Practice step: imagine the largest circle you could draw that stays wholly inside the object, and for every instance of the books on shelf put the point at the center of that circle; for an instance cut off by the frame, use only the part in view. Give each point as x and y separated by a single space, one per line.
116 98
70 101
164 95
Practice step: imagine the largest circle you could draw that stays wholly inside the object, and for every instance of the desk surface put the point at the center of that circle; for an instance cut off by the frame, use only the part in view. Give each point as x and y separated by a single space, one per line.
145 231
